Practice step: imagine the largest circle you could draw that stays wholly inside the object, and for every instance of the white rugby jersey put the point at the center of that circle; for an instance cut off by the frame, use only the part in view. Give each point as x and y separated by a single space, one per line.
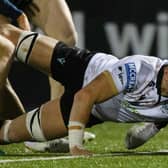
135 78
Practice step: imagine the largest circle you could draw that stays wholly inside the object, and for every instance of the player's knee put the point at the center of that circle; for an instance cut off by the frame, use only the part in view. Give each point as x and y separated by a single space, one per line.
25 45
34 126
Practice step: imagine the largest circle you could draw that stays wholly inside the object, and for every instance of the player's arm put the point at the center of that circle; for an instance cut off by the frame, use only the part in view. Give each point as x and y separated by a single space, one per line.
11 11
100 89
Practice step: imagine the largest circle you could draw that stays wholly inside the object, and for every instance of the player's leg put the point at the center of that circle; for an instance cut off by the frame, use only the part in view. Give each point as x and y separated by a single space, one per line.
54 18
41 124
46 123
31 48
10 105
40 51
140 134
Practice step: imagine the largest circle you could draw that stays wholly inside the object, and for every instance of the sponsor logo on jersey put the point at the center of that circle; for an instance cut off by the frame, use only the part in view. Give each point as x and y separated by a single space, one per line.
131 76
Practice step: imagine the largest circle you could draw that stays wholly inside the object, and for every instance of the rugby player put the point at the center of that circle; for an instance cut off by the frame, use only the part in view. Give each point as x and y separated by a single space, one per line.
98 87
64 30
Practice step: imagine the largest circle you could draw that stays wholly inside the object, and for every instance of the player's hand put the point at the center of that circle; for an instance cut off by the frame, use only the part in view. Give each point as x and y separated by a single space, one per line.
80 151
23 22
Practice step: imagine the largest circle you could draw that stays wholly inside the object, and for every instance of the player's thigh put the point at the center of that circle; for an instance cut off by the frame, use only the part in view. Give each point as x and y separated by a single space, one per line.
52 120
55 20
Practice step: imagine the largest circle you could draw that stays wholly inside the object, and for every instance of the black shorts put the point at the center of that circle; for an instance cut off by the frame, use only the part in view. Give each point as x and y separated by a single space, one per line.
68 66
21 4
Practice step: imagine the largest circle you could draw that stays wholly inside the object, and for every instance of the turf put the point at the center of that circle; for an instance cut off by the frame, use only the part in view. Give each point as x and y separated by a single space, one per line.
108 145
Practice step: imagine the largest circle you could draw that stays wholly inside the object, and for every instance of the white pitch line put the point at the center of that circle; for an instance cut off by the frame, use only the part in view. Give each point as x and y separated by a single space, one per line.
76 157
51 158
39 158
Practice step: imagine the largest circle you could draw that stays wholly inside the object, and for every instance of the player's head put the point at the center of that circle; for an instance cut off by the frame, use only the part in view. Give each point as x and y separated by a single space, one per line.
162 81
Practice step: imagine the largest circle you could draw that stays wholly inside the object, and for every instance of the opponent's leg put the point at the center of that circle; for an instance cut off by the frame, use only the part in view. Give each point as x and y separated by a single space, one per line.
54 18
10 106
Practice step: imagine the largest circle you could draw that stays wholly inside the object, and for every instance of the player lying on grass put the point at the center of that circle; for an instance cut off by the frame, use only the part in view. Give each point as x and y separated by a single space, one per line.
13 9
98 88
59 25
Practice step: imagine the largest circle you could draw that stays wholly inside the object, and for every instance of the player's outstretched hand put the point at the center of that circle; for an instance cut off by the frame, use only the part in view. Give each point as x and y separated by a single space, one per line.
75 151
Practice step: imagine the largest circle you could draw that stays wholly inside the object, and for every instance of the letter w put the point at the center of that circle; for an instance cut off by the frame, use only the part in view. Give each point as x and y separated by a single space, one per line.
130 39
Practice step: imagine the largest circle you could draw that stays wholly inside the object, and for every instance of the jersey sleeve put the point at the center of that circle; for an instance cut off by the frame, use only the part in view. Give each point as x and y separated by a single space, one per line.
8 9
125 74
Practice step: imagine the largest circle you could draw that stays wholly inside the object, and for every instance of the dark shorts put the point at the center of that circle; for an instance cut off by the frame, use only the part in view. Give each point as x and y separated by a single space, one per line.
21 4
27 6
68 66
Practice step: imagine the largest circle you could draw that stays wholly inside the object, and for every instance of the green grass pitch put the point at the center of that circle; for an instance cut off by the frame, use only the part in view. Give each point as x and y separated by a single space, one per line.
108 145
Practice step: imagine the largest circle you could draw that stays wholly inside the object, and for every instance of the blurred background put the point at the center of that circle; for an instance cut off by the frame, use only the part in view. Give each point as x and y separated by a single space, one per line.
113 26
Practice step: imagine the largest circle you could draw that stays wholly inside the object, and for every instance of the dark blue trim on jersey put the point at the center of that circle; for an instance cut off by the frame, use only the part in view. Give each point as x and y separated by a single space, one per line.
131 75
8 9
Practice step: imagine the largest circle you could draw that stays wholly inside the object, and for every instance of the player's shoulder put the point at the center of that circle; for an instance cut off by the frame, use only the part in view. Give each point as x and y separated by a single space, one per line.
140 58
139 61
